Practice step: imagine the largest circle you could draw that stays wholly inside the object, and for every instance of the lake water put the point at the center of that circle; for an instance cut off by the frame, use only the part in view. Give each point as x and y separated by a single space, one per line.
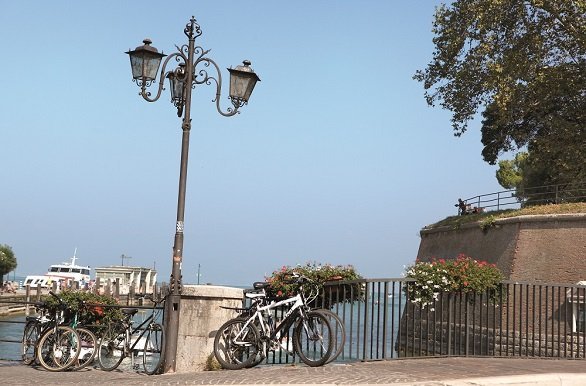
11 331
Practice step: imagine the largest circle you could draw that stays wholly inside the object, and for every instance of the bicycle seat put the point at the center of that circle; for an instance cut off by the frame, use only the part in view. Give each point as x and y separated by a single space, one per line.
258 285
129 311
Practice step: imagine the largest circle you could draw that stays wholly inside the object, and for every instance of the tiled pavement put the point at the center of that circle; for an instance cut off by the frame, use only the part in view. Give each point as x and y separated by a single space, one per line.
423 372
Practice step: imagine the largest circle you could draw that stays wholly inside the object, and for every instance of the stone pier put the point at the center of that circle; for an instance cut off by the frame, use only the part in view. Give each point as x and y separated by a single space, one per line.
200 316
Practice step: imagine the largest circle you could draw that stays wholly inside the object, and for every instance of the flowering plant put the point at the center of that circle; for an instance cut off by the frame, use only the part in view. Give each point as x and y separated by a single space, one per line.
93 308
463 274
281 285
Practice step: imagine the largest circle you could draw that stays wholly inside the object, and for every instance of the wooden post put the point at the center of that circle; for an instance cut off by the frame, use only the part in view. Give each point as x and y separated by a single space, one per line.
130 299
116 291
27 299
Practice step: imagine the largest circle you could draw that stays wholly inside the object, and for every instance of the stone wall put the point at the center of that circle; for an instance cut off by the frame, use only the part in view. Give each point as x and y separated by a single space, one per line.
543 248
200 316
530 320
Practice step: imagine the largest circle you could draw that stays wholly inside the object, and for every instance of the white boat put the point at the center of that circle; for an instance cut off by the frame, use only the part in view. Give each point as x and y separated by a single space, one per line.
64 273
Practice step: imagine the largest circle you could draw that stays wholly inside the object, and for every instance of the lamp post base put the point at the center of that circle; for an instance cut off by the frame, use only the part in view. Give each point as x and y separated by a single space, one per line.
172 309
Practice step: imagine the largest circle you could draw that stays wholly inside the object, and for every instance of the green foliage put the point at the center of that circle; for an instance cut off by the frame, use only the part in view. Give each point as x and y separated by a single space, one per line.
529 173
281 284
7 260
524 63
212 363
92 307
456 222
487 222
510 172
463 275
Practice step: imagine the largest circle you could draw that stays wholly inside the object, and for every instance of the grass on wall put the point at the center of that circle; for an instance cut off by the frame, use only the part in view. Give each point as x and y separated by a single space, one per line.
491 216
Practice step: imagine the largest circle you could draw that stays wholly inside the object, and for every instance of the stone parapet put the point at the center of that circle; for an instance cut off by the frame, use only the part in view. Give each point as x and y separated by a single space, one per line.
200 316
537 248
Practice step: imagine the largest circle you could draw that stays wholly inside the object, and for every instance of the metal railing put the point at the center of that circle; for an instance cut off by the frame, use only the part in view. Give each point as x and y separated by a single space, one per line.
18 307
540 195
518 320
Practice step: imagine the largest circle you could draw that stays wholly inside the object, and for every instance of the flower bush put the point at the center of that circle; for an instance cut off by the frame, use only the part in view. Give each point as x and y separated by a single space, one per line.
280 280
92 313
463 274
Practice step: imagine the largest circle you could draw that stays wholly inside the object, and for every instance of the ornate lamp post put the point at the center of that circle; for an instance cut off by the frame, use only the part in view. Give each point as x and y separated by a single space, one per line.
145 61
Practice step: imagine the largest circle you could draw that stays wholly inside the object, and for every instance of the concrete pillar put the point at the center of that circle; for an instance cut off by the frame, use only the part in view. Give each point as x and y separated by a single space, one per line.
200 316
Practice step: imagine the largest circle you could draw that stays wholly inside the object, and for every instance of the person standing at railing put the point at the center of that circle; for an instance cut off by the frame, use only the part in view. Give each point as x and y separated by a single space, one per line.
462 207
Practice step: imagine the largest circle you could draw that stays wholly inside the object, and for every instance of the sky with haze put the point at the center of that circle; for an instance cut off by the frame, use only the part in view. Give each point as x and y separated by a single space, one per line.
336 159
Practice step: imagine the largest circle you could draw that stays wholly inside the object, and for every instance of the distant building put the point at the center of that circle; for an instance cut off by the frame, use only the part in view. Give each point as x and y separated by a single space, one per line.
140 278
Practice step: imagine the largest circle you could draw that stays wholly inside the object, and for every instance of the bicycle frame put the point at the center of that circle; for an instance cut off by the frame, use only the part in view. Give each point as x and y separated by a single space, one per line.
288 319
130 331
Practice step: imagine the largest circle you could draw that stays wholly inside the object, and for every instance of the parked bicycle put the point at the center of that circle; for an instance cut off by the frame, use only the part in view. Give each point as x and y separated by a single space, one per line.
55 346
336 323
32 330
88 339
246 340
122 340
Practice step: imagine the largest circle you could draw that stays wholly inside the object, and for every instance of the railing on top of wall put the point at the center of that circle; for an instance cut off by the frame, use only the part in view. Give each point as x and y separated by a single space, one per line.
539 195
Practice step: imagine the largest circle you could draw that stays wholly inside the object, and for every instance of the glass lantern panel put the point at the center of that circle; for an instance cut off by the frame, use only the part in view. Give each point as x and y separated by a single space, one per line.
240 87
151 64
136 65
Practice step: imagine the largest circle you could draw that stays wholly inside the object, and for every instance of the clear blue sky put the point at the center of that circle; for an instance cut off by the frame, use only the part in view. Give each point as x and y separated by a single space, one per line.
336 159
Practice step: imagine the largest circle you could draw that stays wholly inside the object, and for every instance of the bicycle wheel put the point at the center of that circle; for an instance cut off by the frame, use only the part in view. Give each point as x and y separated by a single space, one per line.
30 336
236 346
313 340
88 350
111 350
58 348
153 352
338 332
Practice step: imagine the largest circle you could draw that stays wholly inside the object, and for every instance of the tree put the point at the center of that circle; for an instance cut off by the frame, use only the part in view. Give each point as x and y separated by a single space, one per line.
525 176
7 260
510 172
522 63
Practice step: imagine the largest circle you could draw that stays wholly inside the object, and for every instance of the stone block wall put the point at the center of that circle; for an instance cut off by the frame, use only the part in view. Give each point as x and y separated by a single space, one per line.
200 316
532 319
544 248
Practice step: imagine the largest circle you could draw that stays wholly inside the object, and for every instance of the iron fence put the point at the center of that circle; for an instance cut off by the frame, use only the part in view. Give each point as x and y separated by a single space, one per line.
518 320
15 309
539 195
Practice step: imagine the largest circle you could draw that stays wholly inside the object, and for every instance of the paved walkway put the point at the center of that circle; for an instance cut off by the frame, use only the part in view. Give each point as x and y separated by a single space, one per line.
421 372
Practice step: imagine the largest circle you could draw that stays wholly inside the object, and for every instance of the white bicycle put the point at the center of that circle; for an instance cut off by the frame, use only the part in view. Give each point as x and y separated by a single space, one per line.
246 340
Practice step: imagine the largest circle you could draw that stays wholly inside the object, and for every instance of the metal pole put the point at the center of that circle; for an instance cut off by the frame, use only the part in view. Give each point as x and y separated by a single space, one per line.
173 301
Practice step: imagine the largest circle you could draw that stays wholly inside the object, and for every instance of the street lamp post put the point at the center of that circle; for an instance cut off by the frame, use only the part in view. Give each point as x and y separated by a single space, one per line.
145 61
